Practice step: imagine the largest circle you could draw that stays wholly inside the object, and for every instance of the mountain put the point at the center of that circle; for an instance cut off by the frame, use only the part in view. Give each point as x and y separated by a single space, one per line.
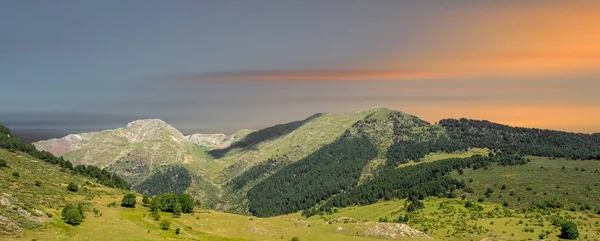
332 153
368 173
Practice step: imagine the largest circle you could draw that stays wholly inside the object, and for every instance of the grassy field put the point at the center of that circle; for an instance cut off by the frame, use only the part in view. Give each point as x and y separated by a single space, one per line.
576 184
436 156
448 219
118 223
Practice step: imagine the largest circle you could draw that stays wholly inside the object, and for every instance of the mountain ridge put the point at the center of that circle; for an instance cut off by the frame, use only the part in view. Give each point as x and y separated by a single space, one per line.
224 168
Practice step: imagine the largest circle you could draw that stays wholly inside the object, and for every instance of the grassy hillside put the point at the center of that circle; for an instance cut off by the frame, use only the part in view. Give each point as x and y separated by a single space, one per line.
573 183
36 195
449 219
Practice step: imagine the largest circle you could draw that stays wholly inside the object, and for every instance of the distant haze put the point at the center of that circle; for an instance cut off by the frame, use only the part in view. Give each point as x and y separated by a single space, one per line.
220 66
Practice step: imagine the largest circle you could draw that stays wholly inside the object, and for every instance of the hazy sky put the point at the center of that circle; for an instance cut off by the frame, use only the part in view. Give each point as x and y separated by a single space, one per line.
219 66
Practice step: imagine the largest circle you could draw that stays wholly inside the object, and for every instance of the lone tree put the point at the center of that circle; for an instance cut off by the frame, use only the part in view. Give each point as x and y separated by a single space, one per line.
569 230
128 200
72 187
73 213
145 200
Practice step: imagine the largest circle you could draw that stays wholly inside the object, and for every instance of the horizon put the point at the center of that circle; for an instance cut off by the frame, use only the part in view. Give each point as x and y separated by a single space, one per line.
35 137
216 67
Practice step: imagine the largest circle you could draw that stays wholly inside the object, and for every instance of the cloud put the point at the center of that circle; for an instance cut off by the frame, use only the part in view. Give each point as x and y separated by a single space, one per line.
427 99
313 76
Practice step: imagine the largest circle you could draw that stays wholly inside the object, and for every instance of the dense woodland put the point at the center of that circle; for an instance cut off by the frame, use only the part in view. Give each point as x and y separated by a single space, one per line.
418 181
330 170
262 135
254 173
525 141
175 179
10 142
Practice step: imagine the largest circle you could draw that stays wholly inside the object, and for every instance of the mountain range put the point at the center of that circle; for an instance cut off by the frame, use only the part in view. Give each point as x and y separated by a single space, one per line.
230 172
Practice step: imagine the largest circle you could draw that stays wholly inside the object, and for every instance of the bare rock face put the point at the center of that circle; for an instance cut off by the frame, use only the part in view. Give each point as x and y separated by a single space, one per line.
211 140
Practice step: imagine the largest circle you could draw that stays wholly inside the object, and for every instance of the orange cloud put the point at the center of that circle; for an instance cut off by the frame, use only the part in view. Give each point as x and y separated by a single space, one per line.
320 75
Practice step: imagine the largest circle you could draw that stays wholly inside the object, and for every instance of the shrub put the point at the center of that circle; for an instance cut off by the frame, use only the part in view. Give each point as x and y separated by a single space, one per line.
15 174
112 205
177 231
165 225
569 230
72 187
295 239
38 183
73 213
503 187
3 163
128 200
145 200
155 215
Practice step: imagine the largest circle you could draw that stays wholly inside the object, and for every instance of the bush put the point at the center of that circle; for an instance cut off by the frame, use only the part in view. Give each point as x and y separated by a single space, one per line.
165 225
128 200
177 231
3 163
15 174
38 183
72 187
295 239
155 215
73 213
145 200
112 205
569 230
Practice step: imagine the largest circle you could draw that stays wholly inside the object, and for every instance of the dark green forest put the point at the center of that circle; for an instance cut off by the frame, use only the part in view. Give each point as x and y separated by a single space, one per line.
418 181
330 170
175 179
12 143
262 135
254 173
524 141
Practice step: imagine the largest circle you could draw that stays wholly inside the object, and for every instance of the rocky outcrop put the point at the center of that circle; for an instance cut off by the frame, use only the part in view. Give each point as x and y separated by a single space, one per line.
211 140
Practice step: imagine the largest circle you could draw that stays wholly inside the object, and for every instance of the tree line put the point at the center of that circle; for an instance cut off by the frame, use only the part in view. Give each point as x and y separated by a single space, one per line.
524 141
10 142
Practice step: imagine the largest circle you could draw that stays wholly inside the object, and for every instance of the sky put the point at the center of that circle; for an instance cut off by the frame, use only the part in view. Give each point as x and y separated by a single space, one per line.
220 66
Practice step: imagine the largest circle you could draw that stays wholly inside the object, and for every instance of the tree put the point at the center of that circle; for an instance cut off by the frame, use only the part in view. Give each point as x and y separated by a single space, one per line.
145 200
155 215
187 203
128 200
73 213
177 210
165 225
569 230
72 187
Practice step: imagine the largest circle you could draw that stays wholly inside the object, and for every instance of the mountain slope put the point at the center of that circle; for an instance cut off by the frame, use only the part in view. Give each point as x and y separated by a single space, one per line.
33 197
